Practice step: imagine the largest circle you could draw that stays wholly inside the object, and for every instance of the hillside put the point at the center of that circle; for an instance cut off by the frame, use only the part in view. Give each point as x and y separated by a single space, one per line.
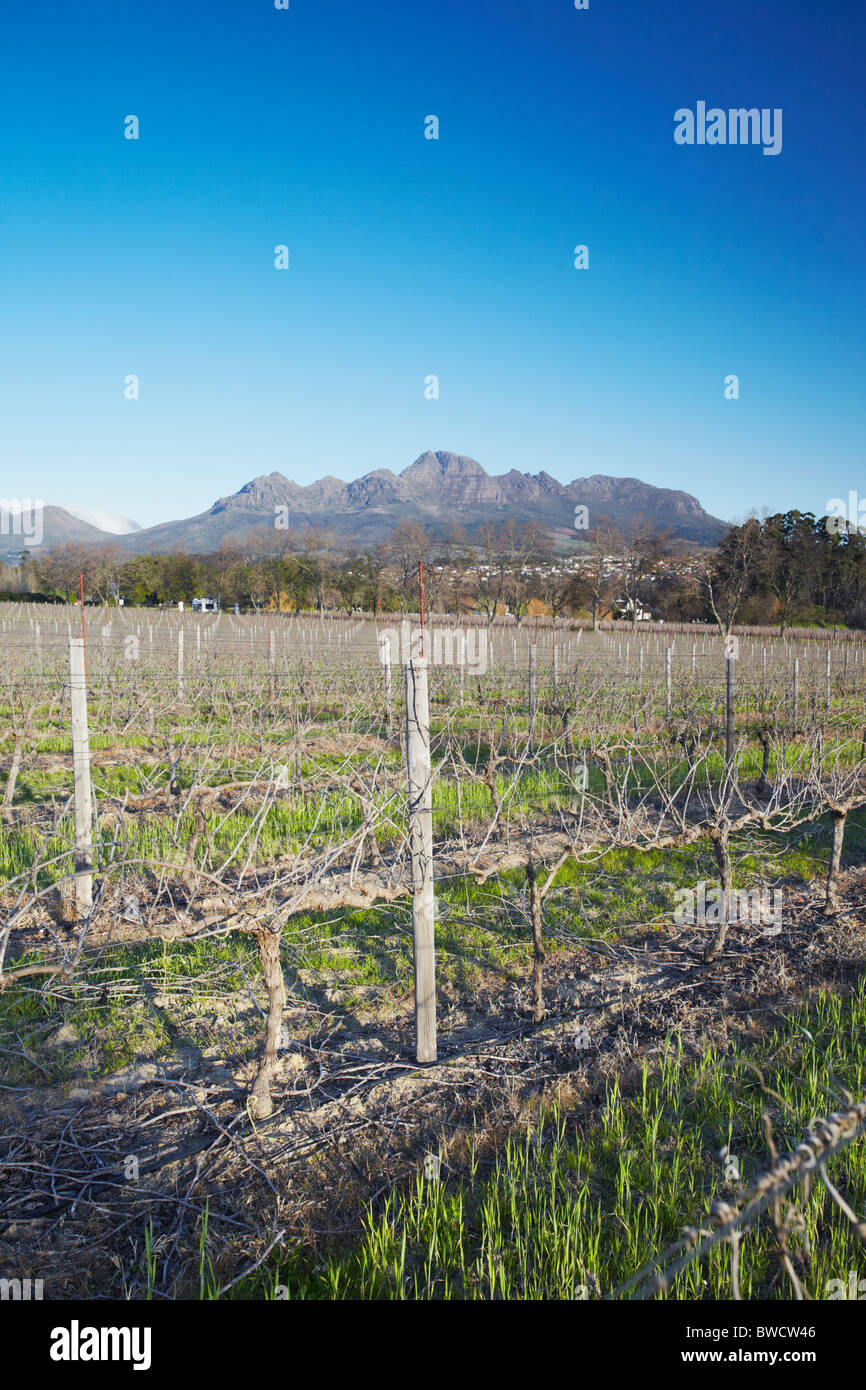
437 490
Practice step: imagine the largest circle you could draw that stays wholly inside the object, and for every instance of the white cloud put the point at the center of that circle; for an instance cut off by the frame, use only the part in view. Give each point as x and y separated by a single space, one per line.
106 521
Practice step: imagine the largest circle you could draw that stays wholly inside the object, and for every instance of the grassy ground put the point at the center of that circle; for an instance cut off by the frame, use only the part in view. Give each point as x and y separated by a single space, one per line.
568 1199
134 1002
570 1211
555 1183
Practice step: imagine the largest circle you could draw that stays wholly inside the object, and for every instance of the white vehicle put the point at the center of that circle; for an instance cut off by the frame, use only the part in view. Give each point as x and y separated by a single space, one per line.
205 605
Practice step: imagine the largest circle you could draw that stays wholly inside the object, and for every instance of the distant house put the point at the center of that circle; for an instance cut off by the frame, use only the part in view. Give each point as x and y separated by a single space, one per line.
625 609
205 605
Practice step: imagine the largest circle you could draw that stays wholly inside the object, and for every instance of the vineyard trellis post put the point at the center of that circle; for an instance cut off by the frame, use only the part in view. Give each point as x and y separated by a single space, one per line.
533 658
83 812
729 707
668 700
421 851
389 694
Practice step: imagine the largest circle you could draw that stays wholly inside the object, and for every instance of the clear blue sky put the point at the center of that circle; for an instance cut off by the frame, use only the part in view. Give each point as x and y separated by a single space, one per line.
411 257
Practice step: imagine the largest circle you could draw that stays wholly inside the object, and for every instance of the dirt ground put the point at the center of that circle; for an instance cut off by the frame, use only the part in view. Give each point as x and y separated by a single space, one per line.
354 1115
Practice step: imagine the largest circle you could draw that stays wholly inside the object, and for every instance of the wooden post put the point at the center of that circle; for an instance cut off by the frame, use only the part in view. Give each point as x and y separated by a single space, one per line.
83 842
668 700
796 688
272 662
729 711
180 663
421 849
389 696
533 658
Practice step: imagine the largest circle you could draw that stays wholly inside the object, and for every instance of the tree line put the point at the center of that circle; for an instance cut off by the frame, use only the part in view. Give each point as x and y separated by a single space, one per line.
788 569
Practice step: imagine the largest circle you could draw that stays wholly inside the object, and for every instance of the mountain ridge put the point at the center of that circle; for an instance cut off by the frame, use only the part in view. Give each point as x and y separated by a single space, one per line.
437 490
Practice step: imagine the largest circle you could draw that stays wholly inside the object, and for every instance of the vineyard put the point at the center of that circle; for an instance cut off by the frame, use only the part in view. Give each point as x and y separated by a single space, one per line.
343 958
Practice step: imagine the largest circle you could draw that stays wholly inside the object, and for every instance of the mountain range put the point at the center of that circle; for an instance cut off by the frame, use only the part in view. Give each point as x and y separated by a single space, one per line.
438 490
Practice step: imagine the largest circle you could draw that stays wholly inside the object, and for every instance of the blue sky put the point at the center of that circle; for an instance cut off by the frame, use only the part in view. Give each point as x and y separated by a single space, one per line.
412 257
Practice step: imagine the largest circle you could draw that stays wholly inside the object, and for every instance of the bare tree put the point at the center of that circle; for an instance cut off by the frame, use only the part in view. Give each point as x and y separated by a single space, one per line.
730 573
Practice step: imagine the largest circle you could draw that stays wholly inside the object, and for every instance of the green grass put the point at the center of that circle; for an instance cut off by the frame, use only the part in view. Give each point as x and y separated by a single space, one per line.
319 819
481 928
575 1206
